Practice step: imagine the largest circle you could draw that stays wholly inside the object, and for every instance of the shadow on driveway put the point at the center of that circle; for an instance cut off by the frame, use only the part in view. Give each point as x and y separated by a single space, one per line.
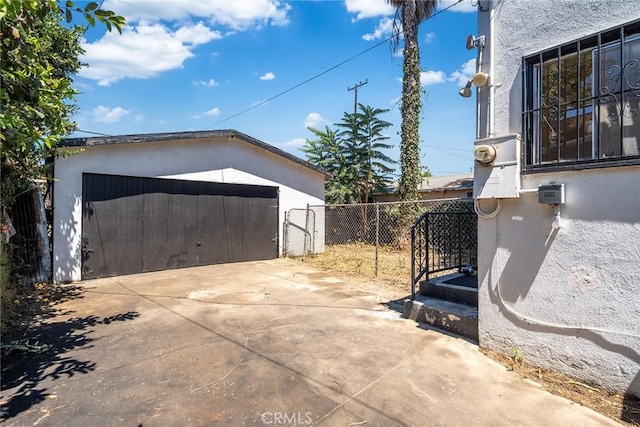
24 371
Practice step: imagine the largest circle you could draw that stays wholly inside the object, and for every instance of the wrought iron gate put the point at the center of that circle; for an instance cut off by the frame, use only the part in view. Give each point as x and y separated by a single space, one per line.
443 241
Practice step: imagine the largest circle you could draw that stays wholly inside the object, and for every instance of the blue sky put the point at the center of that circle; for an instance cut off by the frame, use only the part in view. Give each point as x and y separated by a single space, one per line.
185 65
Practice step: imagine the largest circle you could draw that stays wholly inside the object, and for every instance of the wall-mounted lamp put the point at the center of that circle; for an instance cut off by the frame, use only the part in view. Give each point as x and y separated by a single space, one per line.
480 79
473 41
465 92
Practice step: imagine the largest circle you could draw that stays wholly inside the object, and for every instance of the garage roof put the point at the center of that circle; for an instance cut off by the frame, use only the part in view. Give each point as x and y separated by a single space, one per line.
437 183
172 136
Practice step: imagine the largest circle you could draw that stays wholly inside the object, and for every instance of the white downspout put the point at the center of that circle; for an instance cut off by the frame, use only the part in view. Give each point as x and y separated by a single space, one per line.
492 85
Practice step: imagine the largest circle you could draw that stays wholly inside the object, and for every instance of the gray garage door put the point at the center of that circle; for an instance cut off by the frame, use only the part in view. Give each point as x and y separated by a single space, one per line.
133 225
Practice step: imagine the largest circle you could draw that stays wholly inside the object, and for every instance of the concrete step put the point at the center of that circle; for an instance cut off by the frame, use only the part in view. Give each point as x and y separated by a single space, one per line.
454 317
455 293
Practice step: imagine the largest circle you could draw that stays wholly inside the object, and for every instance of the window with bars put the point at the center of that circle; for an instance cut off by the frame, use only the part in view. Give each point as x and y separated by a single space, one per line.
582 100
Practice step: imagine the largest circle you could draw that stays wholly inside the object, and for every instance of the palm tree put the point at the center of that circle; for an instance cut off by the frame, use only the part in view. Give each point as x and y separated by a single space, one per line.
409 15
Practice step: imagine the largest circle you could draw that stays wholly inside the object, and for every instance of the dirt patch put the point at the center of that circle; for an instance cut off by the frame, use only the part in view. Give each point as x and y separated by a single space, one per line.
33 303
396 288
618 406
359 260
30 306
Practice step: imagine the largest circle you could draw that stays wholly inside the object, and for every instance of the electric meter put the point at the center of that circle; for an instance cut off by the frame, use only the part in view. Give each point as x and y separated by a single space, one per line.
485 153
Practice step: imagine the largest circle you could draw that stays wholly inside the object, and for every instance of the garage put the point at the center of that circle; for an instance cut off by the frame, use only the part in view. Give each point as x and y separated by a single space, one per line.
134 224
128 204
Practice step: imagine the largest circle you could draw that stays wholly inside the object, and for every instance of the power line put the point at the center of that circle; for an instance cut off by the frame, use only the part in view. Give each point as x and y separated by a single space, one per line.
455 155
299 84
446 148
293 87
134 6
323 72
92 133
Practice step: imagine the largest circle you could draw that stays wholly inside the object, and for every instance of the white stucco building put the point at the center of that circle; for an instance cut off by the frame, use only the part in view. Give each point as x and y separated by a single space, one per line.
135 203
561 282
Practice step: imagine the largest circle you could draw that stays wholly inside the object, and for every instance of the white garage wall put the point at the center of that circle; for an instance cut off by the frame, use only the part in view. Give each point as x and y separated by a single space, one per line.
226 160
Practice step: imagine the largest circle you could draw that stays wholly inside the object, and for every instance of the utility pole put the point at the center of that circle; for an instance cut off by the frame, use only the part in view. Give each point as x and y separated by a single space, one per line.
355 89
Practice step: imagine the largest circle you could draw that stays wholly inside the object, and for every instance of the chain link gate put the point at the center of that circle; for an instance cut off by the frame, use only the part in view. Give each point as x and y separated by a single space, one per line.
299 232
370 240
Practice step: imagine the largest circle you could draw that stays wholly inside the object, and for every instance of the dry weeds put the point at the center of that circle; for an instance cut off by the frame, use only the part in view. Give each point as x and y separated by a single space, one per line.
618 406
359 260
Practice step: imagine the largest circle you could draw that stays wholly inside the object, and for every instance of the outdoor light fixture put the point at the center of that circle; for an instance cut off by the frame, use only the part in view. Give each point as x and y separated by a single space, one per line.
480 79
472 42
465 92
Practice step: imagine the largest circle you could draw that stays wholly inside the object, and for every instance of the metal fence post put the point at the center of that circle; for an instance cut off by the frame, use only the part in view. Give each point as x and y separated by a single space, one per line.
285 235
413 264
306 229
460 242
377 235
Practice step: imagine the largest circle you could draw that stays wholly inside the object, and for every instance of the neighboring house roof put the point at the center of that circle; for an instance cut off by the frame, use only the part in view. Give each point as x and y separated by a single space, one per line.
154 137
438 183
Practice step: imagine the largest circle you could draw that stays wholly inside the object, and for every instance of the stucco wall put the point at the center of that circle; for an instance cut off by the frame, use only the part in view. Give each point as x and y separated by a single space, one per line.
223 160
567 298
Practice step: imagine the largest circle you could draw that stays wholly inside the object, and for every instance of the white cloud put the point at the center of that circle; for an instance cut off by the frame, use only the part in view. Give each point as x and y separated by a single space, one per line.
138 118
461 76
268 76
429 37
295 142
259 103
196 34
463 6
314 120
385 27
369 8
108 115
237 15
142 51
210 83
149 48
464 73
431 77
82 86
212 113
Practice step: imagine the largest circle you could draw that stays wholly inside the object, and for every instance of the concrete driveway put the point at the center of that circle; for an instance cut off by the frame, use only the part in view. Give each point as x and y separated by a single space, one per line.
261 343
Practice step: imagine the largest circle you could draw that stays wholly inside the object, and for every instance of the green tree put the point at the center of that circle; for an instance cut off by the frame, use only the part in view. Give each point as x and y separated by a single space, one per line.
364 140
39 56
409 15
327 152
353 155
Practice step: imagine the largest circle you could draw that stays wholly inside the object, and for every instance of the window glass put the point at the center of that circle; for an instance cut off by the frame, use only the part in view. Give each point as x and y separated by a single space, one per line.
583 99
631 111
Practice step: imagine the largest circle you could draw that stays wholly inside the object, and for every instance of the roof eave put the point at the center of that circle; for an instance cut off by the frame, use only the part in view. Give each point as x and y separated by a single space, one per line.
172 136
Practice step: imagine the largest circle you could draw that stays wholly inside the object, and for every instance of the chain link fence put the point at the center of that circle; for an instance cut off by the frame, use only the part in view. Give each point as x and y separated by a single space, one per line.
28 241
371 240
